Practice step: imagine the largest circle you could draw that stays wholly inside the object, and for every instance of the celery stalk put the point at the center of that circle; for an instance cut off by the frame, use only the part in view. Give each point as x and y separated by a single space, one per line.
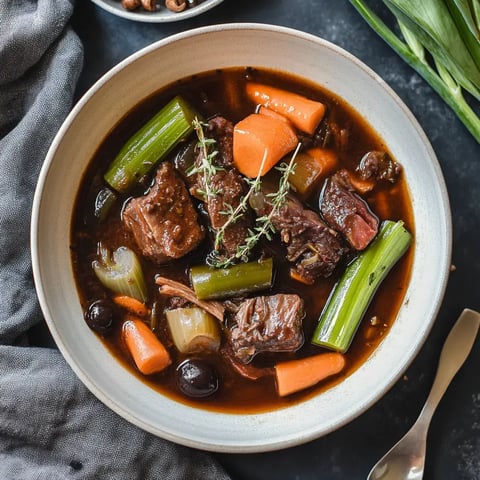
353 293
193 330
121 272
150 144
209 282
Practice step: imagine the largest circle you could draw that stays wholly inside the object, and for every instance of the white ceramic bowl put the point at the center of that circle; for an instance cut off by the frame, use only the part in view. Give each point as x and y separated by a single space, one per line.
161 15
124 87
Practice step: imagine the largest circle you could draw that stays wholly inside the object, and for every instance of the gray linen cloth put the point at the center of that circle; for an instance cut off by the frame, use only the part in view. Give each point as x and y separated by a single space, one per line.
51 426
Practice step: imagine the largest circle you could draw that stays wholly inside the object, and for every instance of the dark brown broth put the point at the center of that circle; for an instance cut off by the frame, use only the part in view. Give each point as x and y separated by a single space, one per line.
218 93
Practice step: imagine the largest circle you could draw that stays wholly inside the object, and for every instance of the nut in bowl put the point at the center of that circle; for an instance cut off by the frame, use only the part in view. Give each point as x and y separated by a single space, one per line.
157 11
226 389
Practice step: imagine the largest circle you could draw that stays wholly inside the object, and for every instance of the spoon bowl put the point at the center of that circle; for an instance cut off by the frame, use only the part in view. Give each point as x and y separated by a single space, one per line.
406 459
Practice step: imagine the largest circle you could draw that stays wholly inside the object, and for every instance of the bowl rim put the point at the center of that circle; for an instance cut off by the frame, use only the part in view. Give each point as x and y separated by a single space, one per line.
41 289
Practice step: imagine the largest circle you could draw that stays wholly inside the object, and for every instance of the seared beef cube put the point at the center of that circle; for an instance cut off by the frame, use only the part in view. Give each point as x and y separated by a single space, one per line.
229 185
164 221
315 248
267 324
347 212
378 166
231 189
221 130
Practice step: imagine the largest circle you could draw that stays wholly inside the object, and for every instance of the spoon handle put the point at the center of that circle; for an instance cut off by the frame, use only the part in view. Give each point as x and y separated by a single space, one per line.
455 351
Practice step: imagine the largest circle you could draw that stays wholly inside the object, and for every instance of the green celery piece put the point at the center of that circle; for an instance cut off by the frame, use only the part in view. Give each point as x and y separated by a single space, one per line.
121 272
354 291
462 16
172 124
432 24
211 283
193 330
452 97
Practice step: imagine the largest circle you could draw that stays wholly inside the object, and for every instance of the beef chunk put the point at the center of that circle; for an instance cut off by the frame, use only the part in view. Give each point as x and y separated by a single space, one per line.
315 248
164 221
378 166
347 212
229 185
267 324
221 130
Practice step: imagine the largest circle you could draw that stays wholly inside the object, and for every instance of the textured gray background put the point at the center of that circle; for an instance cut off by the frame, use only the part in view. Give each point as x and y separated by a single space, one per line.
454 439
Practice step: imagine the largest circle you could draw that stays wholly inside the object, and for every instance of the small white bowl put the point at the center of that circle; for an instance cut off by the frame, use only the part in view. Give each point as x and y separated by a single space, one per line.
127 85
161 15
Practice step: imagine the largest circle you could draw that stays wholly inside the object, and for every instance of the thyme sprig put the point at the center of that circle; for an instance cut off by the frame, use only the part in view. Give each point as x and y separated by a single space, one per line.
263 225
234 214
206 167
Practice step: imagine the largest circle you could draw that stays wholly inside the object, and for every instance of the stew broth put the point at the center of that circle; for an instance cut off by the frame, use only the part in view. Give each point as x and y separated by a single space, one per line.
220 92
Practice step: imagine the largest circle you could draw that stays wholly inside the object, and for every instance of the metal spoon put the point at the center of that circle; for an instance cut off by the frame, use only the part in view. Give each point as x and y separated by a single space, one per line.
406 459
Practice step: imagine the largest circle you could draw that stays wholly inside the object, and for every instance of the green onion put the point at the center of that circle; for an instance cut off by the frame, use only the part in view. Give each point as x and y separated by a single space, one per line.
210 283
449 31
121 272
172 124
193 330
354 291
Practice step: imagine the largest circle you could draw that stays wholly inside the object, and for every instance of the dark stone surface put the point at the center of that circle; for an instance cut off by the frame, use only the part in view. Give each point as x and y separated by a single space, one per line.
454 439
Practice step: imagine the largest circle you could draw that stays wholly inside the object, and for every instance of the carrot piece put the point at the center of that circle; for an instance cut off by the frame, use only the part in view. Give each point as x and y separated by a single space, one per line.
270 113
148 353
327 159
261 139
131 304
294 375
305 114
294 275
381 204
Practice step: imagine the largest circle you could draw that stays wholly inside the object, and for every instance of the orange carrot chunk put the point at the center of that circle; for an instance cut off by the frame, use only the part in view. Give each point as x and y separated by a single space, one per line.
312 166
295 375
131 304
261 139
148 353
270 113
305 114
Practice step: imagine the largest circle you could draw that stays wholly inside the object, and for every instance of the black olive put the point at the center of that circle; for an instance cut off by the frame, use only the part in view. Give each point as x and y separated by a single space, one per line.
197 378
100 315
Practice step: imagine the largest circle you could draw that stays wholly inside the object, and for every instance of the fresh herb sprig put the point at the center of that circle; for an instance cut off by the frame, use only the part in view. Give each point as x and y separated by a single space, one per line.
263 225
234 214
206 167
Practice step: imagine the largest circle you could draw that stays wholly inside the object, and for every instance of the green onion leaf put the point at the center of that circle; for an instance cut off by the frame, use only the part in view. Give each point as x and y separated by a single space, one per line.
431 22
443 80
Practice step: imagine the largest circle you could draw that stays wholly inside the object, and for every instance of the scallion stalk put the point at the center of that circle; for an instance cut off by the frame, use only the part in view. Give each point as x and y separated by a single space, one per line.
354 291
150 144
412 52
121 272
211 283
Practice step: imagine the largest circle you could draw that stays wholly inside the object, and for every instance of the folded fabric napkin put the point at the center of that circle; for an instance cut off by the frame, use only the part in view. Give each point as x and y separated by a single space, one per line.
51 426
